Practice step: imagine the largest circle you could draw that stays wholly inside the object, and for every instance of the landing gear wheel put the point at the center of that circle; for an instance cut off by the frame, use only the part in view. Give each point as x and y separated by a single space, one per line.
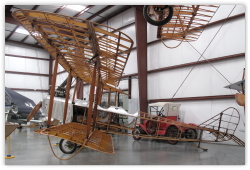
151 127
136 132
102 114
172 131
157 16
67 147
191 134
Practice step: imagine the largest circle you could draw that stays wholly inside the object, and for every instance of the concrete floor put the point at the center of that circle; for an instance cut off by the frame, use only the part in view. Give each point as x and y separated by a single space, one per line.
33 149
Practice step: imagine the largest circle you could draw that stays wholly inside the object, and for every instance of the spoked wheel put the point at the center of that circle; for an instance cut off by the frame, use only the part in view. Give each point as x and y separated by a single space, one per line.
191 134
151 127
67 146
158 14
172 131
136 133
102 114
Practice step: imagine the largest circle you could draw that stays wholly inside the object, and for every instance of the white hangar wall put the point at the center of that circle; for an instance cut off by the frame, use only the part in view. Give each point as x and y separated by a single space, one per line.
204 80
24 81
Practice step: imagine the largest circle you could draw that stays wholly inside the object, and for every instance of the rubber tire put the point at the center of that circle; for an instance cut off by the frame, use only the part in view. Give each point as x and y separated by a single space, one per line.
171 128
67 152
157 23
149 130
137 130
194 133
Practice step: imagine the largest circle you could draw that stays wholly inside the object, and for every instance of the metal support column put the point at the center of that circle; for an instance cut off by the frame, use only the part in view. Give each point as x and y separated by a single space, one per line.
141 44
129 87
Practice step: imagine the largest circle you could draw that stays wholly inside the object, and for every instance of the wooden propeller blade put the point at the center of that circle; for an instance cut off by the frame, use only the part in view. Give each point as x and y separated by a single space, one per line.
240 99
34 111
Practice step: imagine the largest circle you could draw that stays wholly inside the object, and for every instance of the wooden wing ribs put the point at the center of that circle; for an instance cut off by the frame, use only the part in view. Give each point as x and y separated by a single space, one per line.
91 52
77 42
187 23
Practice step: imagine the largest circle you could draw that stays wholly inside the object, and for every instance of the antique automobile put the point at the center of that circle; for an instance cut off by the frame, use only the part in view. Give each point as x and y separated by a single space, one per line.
168 111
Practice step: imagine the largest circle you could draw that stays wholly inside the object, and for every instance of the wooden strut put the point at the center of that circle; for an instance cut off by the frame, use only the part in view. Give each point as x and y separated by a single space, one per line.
109 96
96 98
200 138
109 120
76 87
91 100
101 92
115 98
80 91
94 47
67 97
52 91
219 127
199 147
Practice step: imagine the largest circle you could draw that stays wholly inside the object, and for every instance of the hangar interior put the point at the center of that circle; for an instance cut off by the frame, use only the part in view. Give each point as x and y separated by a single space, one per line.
194 74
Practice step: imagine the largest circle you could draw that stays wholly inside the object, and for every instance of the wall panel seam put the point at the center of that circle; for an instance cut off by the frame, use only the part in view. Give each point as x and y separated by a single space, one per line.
28 57
23 89
193 98
190 64
26 73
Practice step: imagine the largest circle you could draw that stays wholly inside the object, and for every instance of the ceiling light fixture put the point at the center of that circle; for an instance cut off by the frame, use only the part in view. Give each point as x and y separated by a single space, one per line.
76 7
21 30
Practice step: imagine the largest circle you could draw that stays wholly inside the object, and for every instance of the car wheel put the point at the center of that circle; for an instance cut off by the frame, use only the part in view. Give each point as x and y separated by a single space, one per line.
191 134
136 133
172 131
151 127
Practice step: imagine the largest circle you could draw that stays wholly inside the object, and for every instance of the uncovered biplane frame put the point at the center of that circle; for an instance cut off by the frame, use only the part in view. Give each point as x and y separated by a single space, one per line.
187 22
97 54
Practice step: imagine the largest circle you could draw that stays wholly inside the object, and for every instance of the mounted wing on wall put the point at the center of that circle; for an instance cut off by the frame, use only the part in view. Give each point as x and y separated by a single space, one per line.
179 22
187 22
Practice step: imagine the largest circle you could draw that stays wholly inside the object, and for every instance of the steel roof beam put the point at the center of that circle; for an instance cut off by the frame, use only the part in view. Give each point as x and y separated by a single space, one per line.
25 44
99 12
84 10
59 9
114 14
7 38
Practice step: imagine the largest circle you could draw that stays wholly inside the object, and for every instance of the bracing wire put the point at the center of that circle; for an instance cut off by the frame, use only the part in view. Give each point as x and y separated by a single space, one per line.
238 75
204 52
210 63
